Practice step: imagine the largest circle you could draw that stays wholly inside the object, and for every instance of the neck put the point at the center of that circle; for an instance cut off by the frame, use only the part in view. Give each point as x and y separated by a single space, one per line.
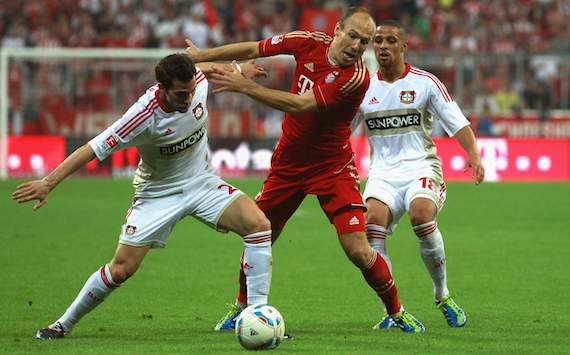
394 72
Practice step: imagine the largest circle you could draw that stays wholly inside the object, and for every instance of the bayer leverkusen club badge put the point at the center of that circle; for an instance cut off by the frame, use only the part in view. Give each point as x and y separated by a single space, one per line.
407 96
198 111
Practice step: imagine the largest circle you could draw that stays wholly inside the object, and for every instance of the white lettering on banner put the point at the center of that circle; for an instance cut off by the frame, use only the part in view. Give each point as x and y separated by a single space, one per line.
241 159
305 84
494 156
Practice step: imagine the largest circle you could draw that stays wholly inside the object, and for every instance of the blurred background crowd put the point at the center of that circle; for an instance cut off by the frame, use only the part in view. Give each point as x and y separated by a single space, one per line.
502 59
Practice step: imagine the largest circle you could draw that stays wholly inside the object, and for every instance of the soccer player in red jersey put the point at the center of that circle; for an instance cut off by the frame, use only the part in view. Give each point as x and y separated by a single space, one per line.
314 155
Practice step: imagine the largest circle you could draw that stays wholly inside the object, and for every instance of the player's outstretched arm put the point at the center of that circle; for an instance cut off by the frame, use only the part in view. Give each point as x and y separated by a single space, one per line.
39 189
235 51
467 140
281 100
249 69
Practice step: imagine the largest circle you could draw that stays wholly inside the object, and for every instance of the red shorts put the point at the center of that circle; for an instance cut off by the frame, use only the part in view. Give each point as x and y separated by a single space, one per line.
337 191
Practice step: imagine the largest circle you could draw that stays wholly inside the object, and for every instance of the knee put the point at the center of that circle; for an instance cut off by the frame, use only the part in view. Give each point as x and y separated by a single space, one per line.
421 215
121 271
360 255
256 222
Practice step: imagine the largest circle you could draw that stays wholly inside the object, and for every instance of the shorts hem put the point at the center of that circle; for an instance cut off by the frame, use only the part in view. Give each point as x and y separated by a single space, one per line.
154 244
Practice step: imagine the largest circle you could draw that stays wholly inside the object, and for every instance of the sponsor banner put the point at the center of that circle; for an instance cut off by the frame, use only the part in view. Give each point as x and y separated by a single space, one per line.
505 159
34 155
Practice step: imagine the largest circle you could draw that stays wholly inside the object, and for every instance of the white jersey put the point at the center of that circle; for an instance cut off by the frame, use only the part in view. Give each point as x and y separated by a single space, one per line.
172 145
398 119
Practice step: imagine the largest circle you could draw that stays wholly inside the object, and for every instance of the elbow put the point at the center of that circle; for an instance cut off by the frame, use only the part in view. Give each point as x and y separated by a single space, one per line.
302 107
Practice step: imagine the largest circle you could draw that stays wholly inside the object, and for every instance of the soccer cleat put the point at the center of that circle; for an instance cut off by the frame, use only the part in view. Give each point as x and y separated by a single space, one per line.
228 322
452 312
387 322
54 331
408 324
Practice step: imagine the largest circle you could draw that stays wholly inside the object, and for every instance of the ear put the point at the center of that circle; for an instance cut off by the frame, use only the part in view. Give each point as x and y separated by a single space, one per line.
405 46
336 28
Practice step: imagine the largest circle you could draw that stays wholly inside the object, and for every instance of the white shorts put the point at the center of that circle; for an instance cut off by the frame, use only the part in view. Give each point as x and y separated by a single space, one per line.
151 219
398 195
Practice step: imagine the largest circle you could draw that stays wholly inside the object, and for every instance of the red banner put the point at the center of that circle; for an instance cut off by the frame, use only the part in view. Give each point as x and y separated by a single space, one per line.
505 159
34 155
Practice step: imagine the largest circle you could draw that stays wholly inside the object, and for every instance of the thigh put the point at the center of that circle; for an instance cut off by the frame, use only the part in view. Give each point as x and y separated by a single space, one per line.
150 220
336 192
207 197
279 199
243 217
387 193
428 188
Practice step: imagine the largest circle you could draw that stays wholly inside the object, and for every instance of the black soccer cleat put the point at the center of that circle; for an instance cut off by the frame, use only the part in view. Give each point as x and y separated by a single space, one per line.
54 331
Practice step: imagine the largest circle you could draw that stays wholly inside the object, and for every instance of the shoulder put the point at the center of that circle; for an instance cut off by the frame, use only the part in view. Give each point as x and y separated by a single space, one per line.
431 80
310 36
356 78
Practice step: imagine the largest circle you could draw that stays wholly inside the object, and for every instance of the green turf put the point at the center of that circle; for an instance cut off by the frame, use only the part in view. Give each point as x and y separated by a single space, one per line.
508 249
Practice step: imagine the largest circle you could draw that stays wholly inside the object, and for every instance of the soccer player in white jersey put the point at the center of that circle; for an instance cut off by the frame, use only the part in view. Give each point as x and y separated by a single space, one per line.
405 173
173 180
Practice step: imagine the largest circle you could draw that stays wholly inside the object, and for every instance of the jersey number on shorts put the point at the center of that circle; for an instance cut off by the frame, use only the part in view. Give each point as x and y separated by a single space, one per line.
231 189
427 183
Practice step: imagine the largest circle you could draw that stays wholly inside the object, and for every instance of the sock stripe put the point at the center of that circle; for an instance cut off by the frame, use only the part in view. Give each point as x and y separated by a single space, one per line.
105 278
257 238
376 231
425 229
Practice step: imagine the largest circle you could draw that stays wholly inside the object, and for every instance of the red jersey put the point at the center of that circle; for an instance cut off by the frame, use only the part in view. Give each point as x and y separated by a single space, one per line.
322 136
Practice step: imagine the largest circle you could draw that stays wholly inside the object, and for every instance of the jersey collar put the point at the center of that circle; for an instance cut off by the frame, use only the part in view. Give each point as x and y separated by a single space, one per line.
406 71
163 105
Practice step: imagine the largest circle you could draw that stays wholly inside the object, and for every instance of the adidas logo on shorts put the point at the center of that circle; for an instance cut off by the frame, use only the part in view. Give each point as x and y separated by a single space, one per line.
354 221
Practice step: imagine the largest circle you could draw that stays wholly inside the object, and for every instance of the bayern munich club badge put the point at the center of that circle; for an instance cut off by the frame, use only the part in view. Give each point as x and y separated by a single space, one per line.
198 111
407 96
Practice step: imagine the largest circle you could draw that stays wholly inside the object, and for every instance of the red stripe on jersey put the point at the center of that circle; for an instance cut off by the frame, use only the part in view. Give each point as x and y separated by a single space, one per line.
140 118
131 121
438 83
200 78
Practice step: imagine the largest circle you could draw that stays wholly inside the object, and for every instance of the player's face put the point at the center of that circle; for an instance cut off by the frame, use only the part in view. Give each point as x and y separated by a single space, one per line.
389 46
351 41
179 96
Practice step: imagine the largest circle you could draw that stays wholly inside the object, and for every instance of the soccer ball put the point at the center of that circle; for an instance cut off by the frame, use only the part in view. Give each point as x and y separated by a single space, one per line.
260 327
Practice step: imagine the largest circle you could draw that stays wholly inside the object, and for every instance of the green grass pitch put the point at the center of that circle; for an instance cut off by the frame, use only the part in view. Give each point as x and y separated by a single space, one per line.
508 250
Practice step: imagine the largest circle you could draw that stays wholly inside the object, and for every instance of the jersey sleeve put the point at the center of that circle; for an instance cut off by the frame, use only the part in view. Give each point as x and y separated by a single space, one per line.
445 109
290 43
126 131
349 87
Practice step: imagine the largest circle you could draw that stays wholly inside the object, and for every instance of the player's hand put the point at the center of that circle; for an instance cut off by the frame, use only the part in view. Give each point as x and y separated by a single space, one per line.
32 190
231 79
251 70
192 51
474 162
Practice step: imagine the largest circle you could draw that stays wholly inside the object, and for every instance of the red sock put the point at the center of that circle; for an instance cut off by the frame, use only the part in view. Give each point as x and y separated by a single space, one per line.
241 296
381 281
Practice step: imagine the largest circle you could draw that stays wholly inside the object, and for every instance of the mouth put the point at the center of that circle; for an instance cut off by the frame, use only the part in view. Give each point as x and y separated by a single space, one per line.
383 55
349 56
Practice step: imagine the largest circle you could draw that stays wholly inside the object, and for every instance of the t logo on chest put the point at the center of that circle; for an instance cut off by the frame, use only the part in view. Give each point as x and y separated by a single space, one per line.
304 84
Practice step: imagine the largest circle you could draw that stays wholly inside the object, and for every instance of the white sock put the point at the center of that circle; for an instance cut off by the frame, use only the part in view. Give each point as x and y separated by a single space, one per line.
377 239
433 255
257 266
95 290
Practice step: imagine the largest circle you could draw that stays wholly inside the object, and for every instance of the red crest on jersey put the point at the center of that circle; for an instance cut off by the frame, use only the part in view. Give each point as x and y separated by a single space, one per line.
407 96
111 142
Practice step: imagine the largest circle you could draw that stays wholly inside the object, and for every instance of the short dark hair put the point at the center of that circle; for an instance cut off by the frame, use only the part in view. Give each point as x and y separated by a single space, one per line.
174 66
351 11
394 23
